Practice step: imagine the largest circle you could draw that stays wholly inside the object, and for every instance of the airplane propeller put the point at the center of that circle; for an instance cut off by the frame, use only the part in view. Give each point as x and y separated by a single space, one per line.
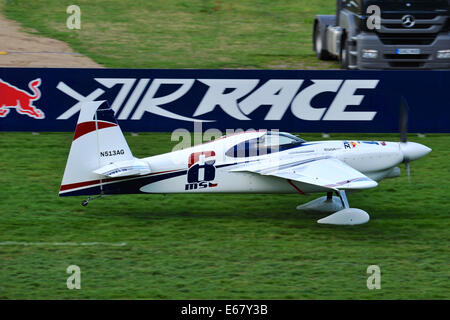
403 126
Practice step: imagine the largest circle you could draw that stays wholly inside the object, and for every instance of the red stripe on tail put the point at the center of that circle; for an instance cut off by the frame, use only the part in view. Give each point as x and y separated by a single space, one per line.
86 127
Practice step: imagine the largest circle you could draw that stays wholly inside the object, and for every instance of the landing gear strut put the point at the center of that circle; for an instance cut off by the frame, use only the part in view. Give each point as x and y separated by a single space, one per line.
341 194
329 196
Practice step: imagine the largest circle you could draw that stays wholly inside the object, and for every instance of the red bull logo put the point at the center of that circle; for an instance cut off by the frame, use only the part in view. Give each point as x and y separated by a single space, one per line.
13 97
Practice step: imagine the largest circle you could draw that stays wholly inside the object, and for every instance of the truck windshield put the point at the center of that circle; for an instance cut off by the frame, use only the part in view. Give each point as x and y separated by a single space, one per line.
413 4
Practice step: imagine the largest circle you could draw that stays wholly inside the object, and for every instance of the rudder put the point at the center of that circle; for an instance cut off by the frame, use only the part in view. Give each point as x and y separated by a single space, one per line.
97 142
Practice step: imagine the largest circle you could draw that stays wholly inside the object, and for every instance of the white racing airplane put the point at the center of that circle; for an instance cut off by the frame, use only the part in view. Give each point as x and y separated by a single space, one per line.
101 163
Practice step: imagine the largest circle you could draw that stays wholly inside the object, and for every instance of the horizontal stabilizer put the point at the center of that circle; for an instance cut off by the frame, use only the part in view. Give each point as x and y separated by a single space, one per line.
133 167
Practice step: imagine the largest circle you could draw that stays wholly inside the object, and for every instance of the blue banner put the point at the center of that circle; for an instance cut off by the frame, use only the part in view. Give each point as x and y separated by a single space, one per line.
36 99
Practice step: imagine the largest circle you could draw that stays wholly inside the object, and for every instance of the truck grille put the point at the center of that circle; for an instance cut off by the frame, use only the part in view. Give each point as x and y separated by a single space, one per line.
397 15
406 60
407 39
406 64
407 56
419 25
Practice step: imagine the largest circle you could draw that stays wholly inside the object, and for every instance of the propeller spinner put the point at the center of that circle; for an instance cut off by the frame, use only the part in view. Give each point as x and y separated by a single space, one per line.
411 150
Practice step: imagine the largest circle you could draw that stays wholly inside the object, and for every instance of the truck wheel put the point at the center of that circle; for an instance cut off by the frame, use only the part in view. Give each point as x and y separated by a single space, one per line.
344 56
321 53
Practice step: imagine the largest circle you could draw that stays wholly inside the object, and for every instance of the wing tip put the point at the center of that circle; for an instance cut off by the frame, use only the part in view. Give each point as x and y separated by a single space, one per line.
367 183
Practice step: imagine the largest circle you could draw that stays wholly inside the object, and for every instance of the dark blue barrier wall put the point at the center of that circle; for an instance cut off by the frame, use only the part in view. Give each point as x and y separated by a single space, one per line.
288 100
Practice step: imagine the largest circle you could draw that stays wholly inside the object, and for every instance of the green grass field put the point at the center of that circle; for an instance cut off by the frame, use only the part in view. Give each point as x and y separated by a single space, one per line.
207 246
217 246
182 33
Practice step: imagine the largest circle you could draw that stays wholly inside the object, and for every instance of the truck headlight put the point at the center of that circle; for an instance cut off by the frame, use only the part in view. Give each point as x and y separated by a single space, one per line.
443 54
369 53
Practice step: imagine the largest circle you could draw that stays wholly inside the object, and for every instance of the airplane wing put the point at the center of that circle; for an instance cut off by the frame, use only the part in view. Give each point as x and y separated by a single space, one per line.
326 172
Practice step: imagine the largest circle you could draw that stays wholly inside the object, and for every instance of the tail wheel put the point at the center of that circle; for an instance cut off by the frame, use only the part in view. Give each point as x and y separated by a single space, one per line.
318 44
344 55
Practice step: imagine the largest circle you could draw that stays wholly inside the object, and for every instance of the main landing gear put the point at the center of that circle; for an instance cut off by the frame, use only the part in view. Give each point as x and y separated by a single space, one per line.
343 214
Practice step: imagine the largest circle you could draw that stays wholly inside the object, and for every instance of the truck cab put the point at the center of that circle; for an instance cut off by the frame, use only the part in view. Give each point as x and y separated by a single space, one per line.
385 34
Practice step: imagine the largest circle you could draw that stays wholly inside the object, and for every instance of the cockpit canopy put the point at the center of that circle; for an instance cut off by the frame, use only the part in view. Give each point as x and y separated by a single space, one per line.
271 142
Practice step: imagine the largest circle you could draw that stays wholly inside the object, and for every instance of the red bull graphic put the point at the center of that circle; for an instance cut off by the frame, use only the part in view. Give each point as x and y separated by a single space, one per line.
22 101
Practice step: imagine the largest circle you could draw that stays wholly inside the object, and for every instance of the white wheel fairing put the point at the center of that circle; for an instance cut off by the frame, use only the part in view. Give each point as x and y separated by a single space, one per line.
348 216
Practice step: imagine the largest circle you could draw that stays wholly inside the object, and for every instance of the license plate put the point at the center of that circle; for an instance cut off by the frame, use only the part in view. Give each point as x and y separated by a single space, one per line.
407 51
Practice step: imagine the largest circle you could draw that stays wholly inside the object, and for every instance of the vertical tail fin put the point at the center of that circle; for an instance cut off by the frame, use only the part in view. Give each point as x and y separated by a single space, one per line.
98 141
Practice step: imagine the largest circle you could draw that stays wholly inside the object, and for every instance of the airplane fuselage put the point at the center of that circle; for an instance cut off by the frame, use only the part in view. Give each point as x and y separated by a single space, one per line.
211 167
